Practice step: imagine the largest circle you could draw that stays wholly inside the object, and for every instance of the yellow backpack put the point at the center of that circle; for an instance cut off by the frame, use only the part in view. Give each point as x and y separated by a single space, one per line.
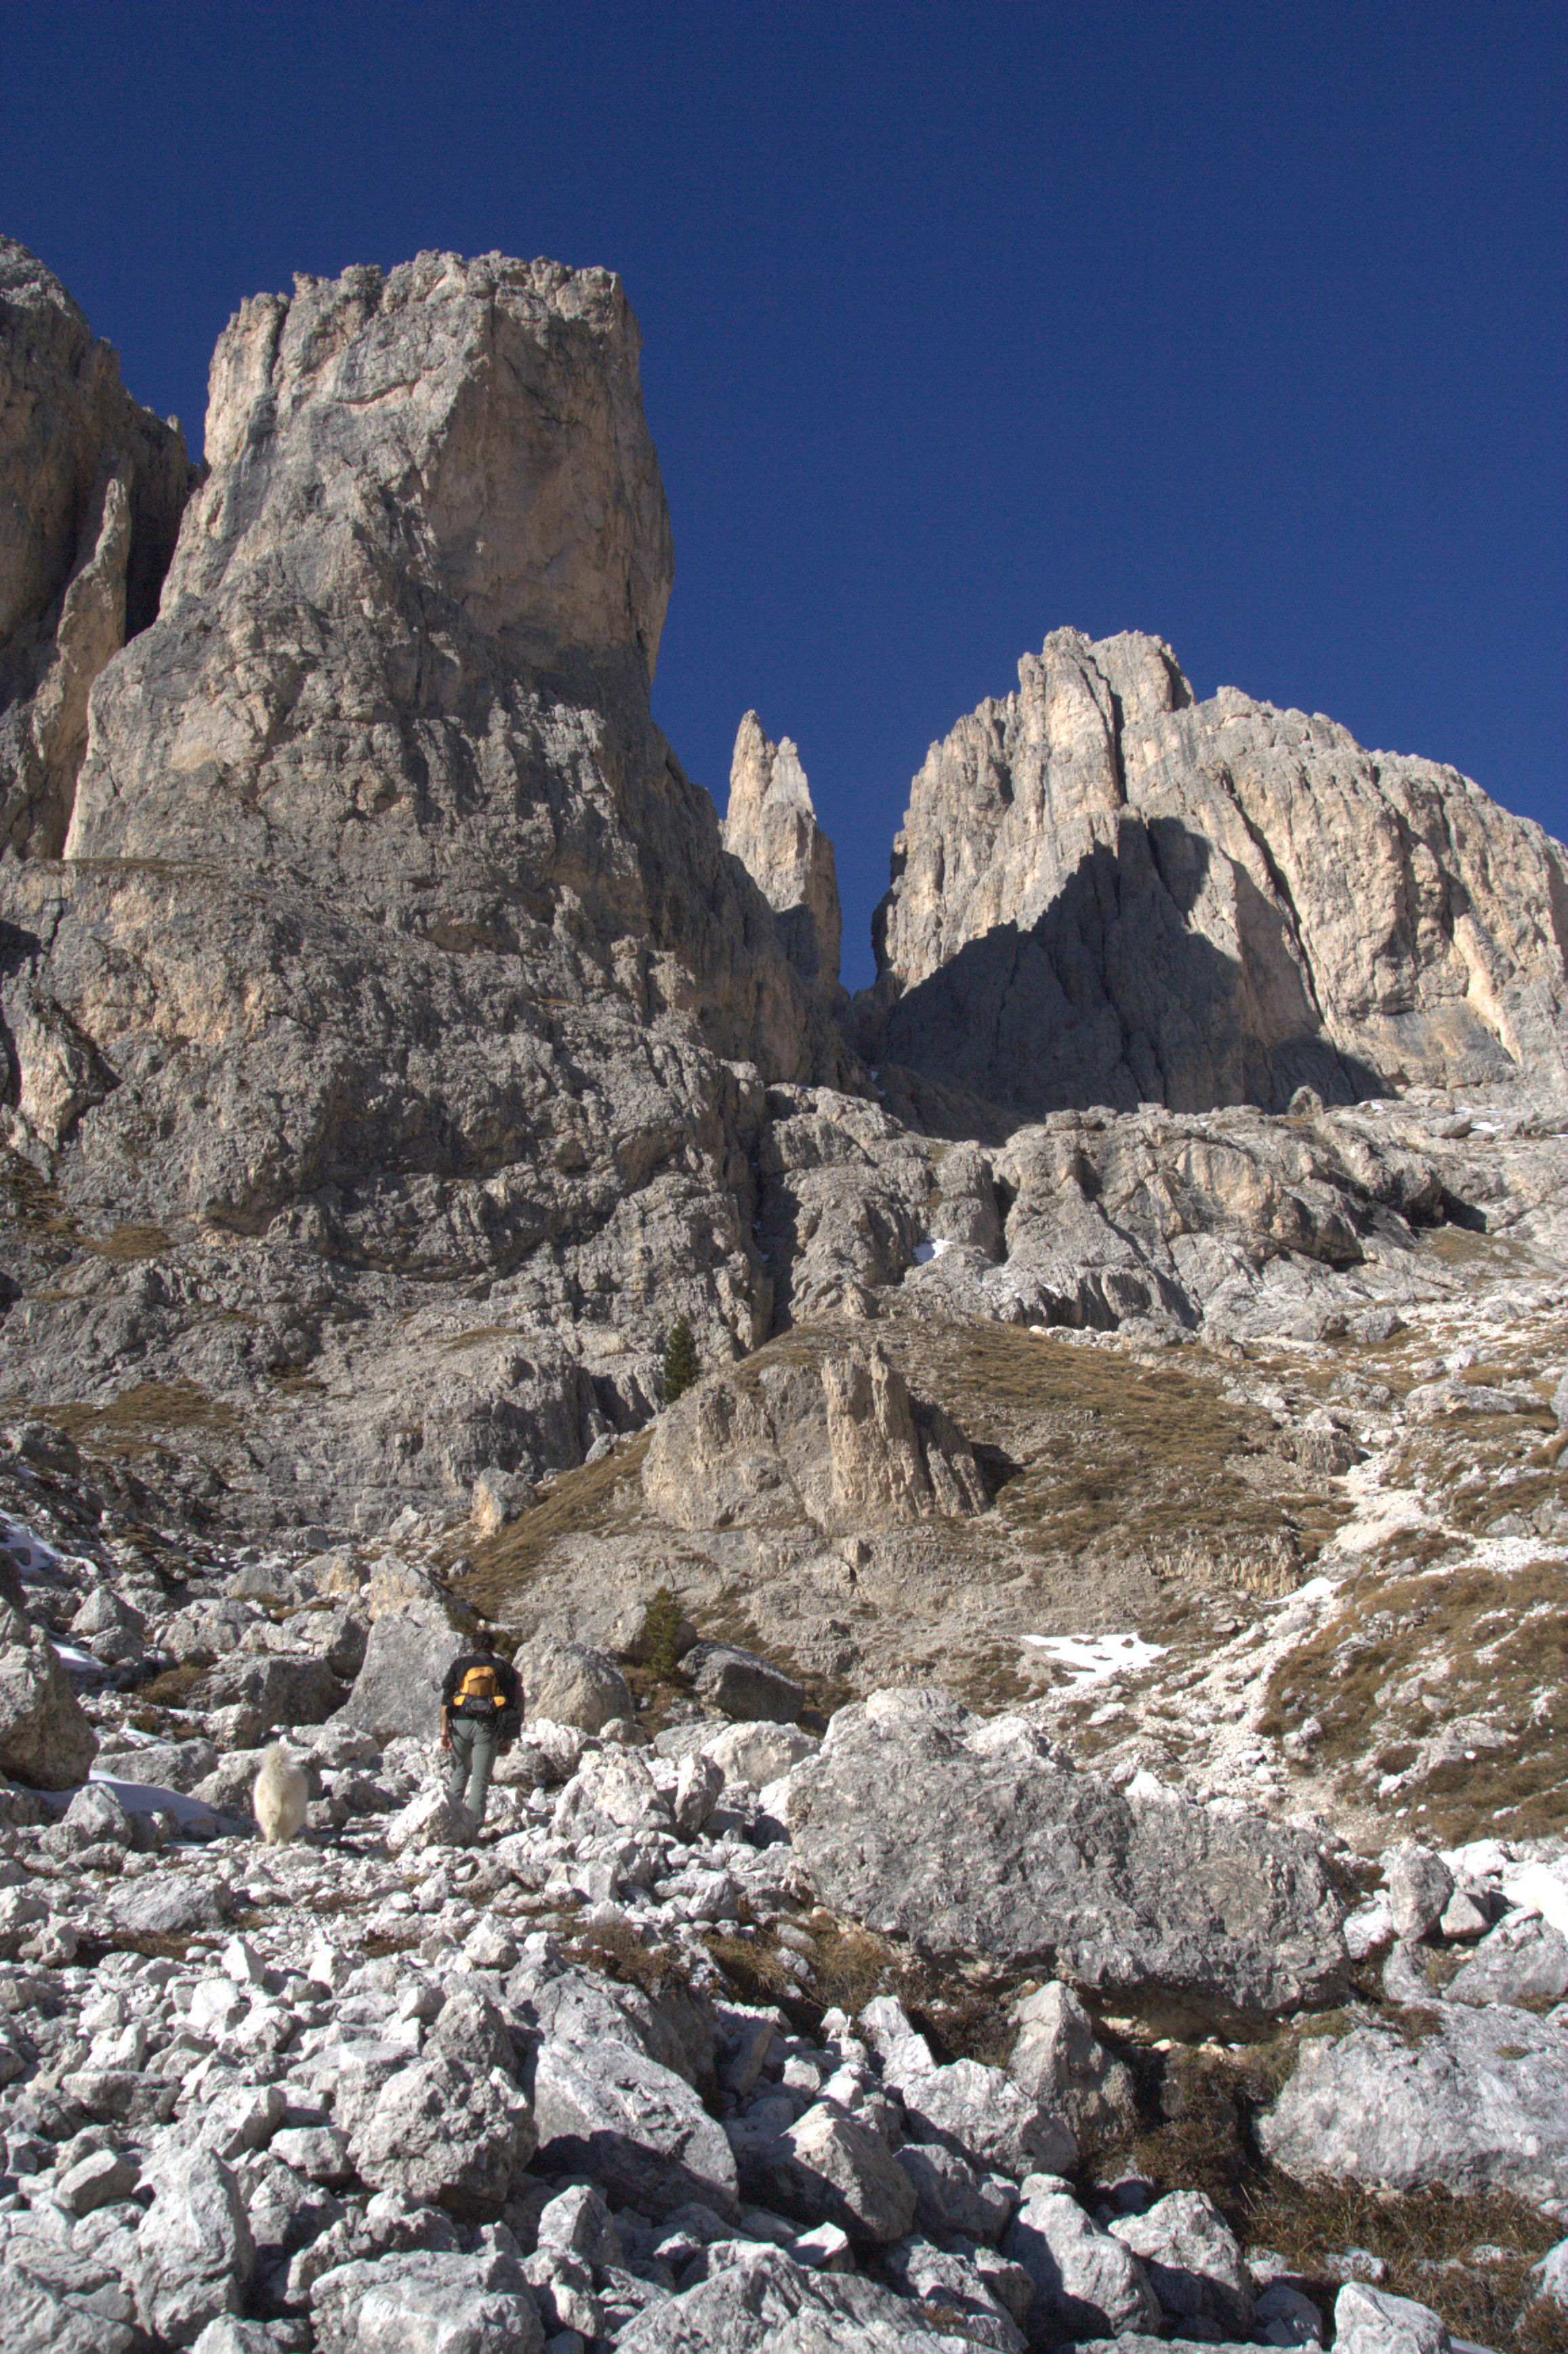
480 1693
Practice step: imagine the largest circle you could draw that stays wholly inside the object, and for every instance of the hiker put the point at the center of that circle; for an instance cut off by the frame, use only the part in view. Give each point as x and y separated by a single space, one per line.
482 1714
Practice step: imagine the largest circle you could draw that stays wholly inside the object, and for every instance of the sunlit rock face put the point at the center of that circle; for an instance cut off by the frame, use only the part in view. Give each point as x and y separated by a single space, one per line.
91 490
771 827
393 958
1108 892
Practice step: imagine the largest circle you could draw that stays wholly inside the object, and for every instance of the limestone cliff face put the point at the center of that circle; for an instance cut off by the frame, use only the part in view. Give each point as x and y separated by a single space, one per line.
771 827
394 963
91 490
1104 892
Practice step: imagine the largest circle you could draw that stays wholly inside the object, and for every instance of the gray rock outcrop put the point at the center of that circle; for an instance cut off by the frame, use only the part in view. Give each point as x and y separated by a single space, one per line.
46 1739
394 961
1105 892
961 1836
771 827
1476 2102
91 490
842 1445
768 2304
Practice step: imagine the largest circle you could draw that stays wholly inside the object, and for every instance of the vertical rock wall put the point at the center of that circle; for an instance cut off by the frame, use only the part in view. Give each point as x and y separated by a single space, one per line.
771 827
1106 892
91 490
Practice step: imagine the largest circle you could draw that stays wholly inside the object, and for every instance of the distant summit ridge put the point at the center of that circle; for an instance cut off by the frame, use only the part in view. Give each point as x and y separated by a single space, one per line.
1105 892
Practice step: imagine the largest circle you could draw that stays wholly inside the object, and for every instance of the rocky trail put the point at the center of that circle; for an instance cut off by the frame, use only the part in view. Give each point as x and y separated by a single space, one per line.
1042 1816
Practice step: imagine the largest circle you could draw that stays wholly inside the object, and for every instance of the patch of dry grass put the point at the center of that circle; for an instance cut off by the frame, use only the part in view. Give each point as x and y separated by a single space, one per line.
139 1418
1108 1449
1198 2108
128 1244
1487 1644
590 1500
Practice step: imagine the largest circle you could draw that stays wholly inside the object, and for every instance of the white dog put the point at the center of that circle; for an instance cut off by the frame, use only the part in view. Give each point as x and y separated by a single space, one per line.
281 1797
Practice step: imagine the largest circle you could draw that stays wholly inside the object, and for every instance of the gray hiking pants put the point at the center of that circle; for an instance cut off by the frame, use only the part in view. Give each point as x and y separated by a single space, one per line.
468 1765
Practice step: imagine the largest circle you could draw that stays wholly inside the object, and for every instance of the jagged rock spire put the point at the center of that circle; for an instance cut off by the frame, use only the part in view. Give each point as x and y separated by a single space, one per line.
771 827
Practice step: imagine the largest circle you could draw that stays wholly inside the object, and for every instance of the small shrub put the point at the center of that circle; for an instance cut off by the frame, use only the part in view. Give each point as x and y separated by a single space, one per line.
661 1634
683 1366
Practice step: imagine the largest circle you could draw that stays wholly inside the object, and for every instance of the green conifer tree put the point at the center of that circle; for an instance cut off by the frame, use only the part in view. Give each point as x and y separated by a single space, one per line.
683 1366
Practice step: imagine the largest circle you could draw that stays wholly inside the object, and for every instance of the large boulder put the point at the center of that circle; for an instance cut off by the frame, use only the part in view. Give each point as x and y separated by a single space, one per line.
46 1740
966 2105
962 1837
1058 2059
768 2304
1370 2321
193 2248
447 2135
758 1752
743 1685
828 2168
1194 2263
1086 2283
426 2302
1523 1959
1474 2101
571 1684
409 1649
275 1689
606 2110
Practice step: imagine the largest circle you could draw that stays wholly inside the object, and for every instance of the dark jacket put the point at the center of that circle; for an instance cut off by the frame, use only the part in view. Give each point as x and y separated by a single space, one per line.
505 1676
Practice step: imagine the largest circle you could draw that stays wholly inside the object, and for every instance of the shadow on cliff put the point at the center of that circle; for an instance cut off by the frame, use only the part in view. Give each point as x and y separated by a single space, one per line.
1113 997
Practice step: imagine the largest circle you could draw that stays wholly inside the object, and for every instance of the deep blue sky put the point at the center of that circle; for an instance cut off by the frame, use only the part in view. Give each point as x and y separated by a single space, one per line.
1243 324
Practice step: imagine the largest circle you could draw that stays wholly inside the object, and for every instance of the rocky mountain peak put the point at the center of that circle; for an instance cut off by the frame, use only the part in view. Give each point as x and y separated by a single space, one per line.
1106 892
91 490
771 827
499 399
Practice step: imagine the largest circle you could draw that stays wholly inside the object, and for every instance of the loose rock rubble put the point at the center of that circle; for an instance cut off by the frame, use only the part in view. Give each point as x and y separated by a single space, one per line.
387 2079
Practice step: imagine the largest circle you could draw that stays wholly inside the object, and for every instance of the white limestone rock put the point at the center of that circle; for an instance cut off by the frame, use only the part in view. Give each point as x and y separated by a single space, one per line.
771 827
1105 892
46 1740
1479 2103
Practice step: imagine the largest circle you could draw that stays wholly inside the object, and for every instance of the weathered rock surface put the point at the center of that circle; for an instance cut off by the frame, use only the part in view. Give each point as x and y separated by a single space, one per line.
45 1739
1478 2101
828 2168
1194 2263
378 790
194 2249
1523 1959
1104 893
919 1821
410 1649
571 1684
1058 2060
1370 2321
771 2304
842 1445
91 490
1086 2283
446 2132
424 2302
634 2124
771 827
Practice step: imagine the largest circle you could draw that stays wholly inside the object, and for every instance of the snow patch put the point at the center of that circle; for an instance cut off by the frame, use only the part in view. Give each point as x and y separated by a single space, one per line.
1092 1657
27 1551
924 1252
